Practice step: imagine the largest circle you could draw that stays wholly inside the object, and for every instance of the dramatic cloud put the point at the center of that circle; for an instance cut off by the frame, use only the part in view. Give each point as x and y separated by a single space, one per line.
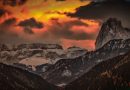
9 22
69 32
48 25
31 23
5 26
28 24
3 12
11 33
7 32
13 2
73 30
103 9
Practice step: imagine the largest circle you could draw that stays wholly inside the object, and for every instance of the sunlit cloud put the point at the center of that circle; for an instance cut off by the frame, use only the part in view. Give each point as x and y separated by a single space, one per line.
49 23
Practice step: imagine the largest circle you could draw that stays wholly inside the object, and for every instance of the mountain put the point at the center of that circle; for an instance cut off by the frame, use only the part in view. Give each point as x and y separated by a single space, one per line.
112 74
28 51
53 56
39 46
13 78
111 29
67 70
95 69
36 57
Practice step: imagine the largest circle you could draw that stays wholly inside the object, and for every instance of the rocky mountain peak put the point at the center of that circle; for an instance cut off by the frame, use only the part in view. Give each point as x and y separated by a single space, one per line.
111 29
113 23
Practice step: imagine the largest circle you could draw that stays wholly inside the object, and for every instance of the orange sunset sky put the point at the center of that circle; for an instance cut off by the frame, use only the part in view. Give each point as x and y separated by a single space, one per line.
56 26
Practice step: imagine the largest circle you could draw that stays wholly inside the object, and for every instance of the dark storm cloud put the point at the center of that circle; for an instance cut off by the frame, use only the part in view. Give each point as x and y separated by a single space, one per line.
28 24
13 2
3 12
6 34
103 9
31 23
63 31
6 25
9 22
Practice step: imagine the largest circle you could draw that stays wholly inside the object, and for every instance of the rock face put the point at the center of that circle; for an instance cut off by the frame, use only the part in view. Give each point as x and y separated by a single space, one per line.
112 74
12 78
82 64
111 29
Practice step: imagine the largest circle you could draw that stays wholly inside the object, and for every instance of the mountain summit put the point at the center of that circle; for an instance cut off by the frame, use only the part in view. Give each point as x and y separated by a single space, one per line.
111 29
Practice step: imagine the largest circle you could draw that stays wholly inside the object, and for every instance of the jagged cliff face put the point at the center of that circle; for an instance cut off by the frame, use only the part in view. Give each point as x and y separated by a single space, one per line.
67 70
111 29
112 74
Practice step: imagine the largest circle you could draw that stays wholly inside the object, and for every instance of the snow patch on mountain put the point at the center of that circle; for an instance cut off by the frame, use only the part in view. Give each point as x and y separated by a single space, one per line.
34 61
61 85
66 73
